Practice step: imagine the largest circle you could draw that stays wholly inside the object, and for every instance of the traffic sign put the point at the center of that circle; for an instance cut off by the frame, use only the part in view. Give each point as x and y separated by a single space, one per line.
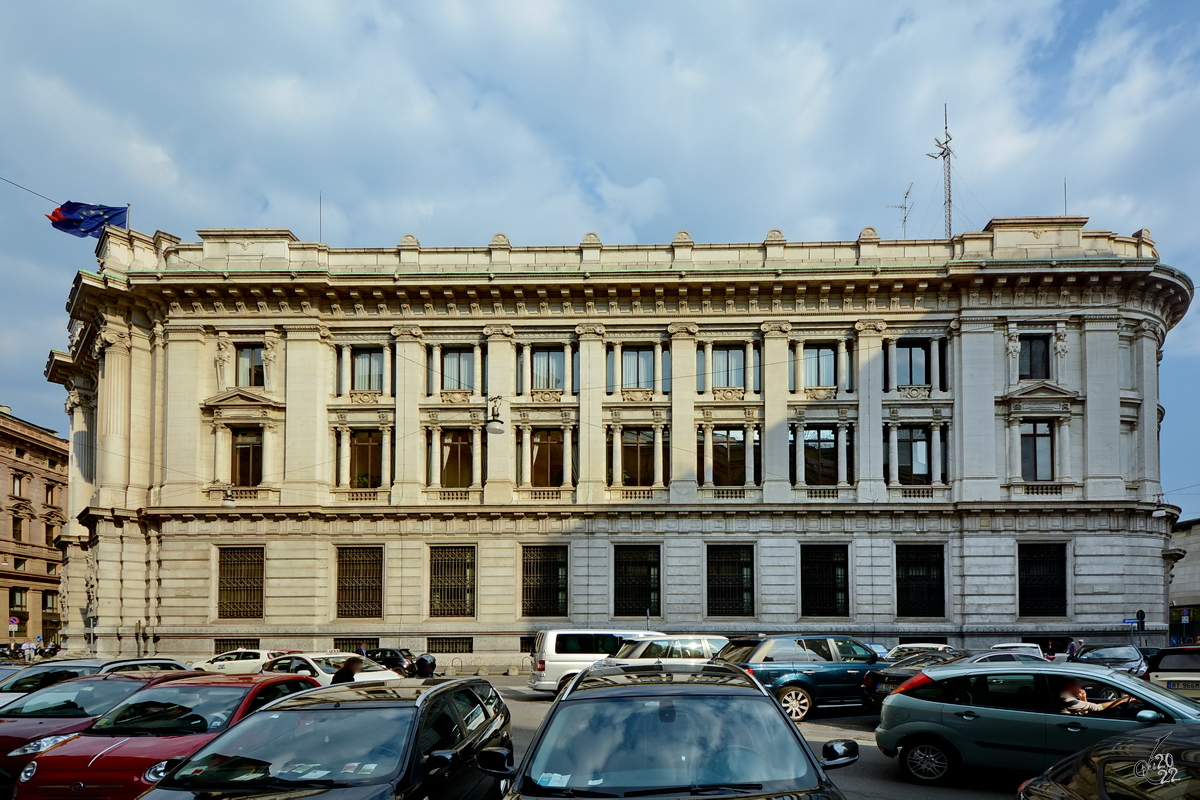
39 638
14 621
1130 620
12 628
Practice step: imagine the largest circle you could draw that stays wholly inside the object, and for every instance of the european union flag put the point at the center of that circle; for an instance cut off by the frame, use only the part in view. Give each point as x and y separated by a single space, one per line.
81 219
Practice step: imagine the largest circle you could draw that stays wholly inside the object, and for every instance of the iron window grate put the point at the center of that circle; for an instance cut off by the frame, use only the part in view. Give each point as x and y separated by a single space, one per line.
920 580
360 582
1042 569
544 581
528 643
240 582
452 581
730 580
350 644
450 644
824 580
636 580
225 645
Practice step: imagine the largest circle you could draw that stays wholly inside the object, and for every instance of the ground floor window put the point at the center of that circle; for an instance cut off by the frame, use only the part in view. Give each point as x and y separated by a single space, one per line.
731 580
636 580
544 581
1042 579
449 644
360 582
824 580
920 580
452 581
240 582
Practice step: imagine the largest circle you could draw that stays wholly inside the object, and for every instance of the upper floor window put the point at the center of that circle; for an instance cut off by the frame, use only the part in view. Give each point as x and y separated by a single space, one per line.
19 564
820 365
820 455
637 456
18 599
51 533
729 456
912 359
50 602
368 369
247 456
546 460
456 459
1037 450
1034 361
18 531
729 366
250 366
912 452
548 368
18 485
458 369
366 458
637 368
51 494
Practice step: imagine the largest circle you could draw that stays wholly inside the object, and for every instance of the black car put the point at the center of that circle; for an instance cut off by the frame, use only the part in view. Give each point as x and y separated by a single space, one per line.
404 738
1162 762
879 683
1121 657
1148 652
668 731
400 659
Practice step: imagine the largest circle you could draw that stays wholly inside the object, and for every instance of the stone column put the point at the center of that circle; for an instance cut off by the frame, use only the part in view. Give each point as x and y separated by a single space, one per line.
385 478
748 371
435 438
477 372
268 452
868 441
798 365
842 369
1145 374
79 462
935 455
1014 449
590 485
683 476
935 364
708 454
387 370
436 388
748 432
1064 448
526 455
476 456
221 455
893 453
708 367
526 370
799 455
501 449
658 455
618 458
409 475
842 477
568 372
344 456
618 369
892 366
113 409
773 383
344 373
568 460
658 373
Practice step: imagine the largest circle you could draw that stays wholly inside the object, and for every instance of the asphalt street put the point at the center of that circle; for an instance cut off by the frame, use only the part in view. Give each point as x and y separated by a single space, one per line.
874 777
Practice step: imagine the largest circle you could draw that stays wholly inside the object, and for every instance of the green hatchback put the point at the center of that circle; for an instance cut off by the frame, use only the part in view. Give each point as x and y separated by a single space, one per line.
1023 717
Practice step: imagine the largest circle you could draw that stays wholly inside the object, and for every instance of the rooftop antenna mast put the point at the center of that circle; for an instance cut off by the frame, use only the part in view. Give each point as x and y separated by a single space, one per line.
904 208
944 153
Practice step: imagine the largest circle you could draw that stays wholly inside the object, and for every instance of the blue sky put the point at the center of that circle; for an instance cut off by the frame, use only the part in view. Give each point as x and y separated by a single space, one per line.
545 120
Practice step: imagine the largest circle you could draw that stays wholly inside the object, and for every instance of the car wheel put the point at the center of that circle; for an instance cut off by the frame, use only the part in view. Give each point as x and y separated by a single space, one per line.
928 761
797 702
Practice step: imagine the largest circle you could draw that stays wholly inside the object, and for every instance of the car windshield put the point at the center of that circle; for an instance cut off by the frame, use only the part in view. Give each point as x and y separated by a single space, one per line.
352 745
1187 661
172 709
937 657
618 745
331 664
33 678
1125 653
905 652
88 697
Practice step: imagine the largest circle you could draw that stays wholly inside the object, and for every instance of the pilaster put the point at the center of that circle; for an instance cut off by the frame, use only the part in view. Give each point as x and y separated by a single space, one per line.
776 451
501 451
408 443
975 411
592 384
683 411
305 435
1102 410
868 436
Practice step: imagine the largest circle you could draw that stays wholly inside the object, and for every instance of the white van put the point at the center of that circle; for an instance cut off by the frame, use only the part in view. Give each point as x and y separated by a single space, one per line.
559 656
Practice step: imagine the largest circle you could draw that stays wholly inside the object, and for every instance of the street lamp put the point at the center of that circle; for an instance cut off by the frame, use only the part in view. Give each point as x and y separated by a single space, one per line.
495 425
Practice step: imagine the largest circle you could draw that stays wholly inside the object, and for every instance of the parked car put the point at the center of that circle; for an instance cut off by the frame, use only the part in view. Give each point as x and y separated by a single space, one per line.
1155 764
1176 668
398 659
804 671
560 655
35 722
405 738
877 648
1023 647
239 662
1015 716
133 746
1124 657
651 648
902 651
322 666
48 673
1148 651
668 730
886 678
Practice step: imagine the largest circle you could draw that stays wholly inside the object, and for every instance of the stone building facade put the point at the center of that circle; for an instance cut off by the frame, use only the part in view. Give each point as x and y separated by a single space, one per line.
451 448
33 477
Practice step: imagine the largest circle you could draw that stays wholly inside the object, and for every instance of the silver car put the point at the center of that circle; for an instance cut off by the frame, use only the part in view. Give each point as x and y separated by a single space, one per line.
654 649
1023 716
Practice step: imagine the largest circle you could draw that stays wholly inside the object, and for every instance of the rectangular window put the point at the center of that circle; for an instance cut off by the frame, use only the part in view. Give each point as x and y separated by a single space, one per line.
19 564
544 581
449 644
451 581
824 580
366 458
636 580
637 368
51 568
548 369
730 580
912 447
920 580
18 599
51 533
546 460
458 369
820 362
527 644
1037 450
456 459
1034 360
359 582
239 582
637 456
50 602
18 529
1042 579
226 645
729 456
367 374
250 366
247 456
349 644
820 455
911 361
729 366
18 485
50 494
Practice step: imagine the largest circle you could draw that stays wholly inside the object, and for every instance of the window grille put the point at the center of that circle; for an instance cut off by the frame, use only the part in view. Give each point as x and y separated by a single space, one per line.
920 580
240 582
359 582
450 644
225 645
1042 570
1033 363
527 643
544 581
350 644
824 580
452 581
250 366
1037 450
636 580
730 580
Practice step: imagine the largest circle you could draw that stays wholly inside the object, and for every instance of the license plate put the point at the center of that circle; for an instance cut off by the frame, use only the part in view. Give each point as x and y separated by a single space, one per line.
883 688
1183 684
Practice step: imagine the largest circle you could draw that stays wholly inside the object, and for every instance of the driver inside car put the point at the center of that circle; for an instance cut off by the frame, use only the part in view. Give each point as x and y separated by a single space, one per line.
1075 700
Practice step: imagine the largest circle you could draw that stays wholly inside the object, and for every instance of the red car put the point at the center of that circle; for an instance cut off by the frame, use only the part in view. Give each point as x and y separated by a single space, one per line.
129 749
37 721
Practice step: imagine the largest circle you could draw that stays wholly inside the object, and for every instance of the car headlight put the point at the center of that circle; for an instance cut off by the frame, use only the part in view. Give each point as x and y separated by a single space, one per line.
28 771
157 772
41 745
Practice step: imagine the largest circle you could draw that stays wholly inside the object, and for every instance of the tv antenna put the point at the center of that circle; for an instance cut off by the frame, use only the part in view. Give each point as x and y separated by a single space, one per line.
944 153
904 208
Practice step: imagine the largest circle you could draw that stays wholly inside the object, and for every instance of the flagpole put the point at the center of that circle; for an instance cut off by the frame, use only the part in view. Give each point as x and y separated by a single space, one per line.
128 214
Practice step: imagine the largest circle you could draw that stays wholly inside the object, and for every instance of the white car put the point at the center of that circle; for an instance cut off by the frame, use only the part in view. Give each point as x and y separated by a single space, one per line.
1020 647
238 662
321 666
905 650
649 648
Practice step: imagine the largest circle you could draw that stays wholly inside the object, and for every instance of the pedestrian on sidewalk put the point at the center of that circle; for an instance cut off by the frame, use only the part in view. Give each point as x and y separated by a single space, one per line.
351 668
362 649
29 650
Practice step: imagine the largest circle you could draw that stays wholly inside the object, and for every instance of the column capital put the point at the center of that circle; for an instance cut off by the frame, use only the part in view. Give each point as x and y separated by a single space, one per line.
936 424
218 425
406 333
876 325
385 428
590 331
682 329
776 328
498 331
706 426
841 426
892 424
343 429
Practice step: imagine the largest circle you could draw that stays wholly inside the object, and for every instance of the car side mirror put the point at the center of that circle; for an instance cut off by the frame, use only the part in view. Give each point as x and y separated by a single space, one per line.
305 672
440 761
839 753
1148 717
873 658
496 761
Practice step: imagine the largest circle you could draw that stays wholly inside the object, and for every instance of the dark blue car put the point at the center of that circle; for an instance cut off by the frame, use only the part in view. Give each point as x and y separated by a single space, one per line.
804 671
